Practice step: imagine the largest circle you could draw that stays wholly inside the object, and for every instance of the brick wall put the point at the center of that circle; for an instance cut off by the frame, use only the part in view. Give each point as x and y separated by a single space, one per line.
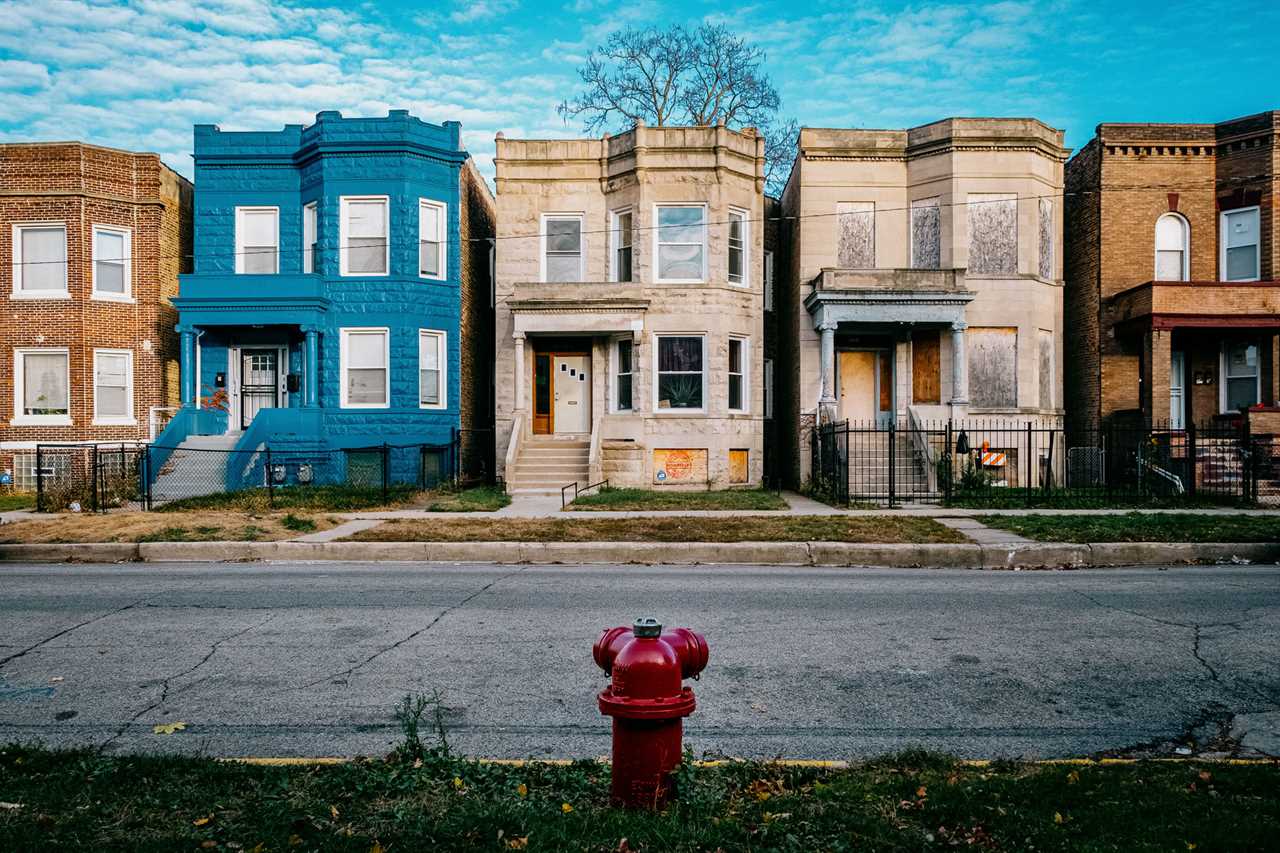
476 228
1081 303
81 186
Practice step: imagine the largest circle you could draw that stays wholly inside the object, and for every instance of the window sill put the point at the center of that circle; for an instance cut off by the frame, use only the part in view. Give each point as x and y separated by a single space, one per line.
114 422
433 277
679 413
112 297
365 407
432 408
41 420
52 295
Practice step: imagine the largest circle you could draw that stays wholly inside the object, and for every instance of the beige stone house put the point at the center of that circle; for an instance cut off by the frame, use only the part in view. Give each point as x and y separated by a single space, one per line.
924 278
629 311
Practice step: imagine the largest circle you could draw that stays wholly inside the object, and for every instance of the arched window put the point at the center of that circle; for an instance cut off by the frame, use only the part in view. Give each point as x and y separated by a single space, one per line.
1172 244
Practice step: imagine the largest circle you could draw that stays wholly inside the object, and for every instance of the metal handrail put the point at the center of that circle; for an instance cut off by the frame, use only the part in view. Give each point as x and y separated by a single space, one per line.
576 491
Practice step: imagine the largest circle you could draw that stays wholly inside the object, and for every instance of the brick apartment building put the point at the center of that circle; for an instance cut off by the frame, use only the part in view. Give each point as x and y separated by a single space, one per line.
93 239
1172 290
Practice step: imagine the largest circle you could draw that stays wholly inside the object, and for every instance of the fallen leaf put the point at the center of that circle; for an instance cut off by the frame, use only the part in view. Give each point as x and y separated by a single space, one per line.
1058 818
376 848
55 679
522 789
1073 777
10 806
566 808
1205 775
457 783
920 792
208 844
333 812
168 728
295 840
623 847
1191 845
201 821
518 843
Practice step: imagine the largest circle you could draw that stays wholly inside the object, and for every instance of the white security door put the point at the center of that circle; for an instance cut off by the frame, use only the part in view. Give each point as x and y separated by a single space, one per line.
572 383
259 383
1177 392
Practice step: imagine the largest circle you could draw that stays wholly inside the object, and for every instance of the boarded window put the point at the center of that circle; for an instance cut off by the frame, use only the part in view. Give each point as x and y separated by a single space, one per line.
856 229
926 234
926 381
1044 343
738 467
993 367
993 234
1046 238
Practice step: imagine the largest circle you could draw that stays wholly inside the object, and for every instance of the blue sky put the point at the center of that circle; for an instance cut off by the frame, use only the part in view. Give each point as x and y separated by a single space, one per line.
138 75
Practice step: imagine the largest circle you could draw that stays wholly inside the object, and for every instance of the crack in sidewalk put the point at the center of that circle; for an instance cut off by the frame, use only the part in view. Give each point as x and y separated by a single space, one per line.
5 661
168 680
348 672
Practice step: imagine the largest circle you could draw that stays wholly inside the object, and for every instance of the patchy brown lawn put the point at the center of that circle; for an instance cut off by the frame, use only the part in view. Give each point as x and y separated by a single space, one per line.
204 526
801 528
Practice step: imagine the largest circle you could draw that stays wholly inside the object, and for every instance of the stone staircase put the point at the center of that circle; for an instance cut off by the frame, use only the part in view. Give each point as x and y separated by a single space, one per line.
869 467
546 464
197 467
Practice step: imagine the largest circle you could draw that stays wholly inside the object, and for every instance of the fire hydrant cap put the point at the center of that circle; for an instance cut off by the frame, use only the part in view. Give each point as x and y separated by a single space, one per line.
646 626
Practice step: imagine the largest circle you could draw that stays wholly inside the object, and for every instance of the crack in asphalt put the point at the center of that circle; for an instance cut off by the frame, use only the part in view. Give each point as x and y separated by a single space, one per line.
349 671
1195 652
5 661
169 679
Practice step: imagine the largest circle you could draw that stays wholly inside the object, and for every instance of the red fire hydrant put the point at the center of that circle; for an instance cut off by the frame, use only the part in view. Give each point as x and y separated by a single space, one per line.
647 702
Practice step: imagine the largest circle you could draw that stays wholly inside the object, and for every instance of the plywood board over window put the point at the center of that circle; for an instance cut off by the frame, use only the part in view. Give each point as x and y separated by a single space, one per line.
856 225
993 233
1046 238
1044 344
926 234
680 465
738 467
926 372
993 366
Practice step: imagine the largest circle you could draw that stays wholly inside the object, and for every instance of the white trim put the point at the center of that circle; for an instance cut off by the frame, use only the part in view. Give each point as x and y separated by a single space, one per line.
18 267
107 296
615 241
657 232
343 248
1257 245
745 216
442 361
612 389
542 243
1186 245
19 382
768 280
235 380
745 373
442 231
655 337
127 419
344 334
310 223
239 237
1222 375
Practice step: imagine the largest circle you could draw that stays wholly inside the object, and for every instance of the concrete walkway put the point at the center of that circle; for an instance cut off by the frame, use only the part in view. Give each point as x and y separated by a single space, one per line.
980 533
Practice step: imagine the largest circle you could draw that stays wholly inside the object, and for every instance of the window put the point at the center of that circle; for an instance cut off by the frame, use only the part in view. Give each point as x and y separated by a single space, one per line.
40 261
364 356
1240 260
1171 248
562 248
768 387
41 385
1240 388
993 234
926 233
257 240
768 281
681 243
112 386
431 243
431 382
310 247
737 375
738 242
625 370
362 239
622 239
856 229
112 277
681 380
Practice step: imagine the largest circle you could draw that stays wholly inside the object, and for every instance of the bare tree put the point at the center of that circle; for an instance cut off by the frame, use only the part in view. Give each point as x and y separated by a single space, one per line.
675 76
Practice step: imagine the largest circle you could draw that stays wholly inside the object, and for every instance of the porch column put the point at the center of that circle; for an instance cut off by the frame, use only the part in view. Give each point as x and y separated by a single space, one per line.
1157 359
959 366
827 369
311 373
187 366
518 403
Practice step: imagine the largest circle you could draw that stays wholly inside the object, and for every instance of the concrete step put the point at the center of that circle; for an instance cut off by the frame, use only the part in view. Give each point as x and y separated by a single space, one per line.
583 445
551 467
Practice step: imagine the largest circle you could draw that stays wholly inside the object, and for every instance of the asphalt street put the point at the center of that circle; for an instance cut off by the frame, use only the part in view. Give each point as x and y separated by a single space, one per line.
309 659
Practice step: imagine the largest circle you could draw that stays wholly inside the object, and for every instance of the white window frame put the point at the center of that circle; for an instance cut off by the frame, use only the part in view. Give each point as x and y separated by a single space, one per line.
1186 245
768 388
745 217
18 267
654 340
343 359
107 296
1222 375
582 242
745 374
19 389
442 358
615 242
442 230
657 243
768 280
615 371
128 419
240 245
344 250
1222 243
310 236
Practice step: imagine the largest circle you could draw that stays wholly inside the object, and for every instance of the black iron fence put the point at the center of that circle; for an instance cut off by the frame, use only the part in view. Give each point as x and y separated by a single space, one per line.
1004 462
101 477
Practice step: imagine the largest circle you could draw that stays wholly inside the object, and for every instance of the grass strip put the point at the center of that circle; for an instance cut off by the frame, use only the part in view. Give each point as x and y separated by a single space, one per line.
478 499
799 528
911 801
132 527
660 499
17 500
1140 527
318 498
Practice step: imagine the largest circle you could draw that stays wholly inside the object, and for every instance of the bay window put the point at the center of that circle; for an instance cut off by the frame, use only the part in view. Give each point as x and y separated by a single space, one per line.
431 381
112 386
431 242
681 243
681 376
738 242
364 226
310 230
1240 258
40 261
364 360
41 389
622 222
624 370
737 375
562 248
111 263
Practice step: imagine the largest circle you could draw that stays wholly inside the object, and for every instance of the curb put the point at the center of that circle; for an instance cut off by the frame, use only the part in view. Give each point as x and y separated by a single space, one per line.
952 556
813 763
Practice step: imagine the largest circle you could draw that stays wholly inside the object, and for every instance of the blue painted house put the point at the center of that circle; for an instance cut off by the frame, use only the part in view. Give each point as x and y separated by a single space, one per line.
340 301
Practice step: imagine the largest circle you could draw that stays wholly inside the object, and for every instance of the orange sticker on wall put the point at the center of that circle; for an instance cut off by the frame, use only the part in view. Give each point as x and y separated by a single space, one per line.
680 465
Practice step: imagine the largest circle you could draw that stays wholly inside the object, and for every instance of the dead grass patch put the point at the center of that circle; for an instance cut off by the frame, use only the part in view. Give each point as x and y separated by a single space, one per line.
204 526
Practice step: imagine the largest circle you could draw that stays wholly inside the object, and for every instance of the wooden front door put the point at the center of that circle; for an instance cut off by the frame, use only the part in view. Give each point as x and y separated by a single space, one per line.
541 393
926 367
859 401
